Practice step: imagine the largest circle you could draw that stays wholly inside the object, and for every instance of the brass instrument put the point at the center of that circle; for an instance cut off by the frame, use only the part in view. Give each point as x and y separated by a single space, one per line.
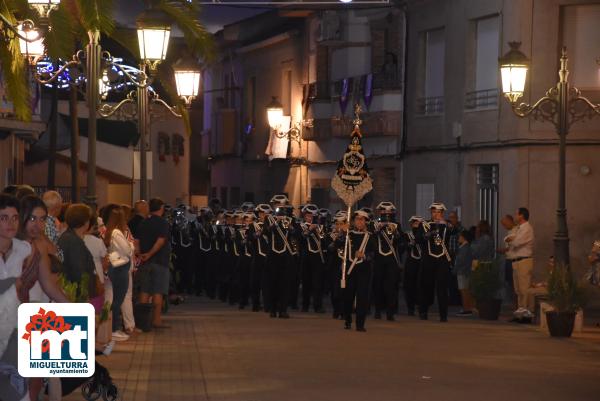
437 239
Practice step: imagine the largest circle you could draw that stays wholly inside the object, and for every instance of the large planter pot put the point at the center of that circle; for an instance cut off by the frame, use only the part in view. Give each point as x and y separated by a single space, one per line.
560 324
489 309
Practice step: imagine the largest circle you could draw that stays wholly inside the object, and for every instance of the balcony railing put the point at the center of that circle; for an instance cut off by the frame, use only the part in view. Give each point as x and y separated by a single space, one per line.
427 106
481 99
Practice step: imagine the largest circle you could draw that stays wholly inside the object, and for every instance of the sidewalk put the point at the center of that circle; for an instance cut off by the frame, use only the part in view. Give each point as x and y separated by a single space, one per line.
216 352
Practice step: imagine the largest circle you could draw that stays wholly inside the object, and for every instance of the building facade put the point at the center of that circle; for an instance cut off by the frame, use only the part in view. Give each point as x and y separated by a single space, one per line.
463 144
318 64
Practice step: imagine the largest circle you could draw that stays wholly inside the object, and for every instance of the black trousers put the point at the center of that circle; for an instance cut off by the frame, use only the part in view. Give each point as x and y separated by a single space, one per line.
386 277
433 279
186 266
244 269
358 286
279 270
313 274
257 280
335 276
411 283
294 280
224 272
211 259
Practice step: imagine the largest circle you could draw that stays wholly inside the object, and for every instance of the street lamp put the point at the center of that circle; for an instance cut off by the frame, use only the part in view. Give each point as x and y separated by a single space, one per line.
275 113
187 79
43 7
562 105
154 30
275 119
31 42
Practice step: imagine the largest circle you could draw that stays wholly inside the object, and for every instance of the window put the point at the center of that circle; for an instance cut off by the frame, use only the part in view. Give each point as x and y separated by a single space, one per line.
580 33
425 197
433 90
487 195
487 42
235 196
249 197
224 202
286 92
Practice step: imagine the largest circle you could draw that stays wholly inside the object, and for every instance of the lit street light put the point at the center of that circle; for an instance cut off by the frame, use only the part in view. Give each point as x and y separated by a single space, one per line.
153 28
562 105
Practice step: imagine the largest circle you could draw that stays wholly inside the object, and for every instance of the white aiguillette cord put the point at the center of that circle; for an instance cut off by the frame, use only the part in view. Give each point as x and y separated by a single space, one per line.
362 247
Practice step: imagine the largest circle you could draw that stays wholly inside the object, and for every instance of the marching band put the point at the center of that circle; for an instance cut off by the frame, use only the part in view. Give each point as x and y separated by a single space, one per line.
258 256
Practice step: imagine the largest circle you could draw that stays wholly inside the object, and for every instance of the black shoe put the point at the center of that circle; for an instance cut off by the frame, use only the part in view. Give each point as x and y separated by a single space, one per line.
304 310
319 310
423 316
294 307
284 315
411 312
443 319
347 325
336 316
377 315
256 308
514 320
242 307
390 318
273 314
361 329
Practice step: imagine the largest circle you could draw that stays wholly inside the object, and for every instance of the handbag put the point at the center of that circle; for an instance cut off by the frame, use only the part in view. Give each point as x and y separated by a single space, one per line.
117 260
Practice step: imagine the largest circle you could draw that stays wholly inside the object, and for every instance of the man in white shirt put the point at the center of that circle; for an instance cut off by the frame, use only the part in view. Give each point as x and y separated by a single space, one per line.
520 251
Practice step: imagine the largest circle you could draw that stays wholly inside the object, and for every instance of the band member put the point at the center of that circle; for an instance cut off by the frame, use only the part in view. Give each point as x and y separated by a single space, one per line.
260 250
411 266
358 251
386 268
313 259
435 266
245 258
235 253
182 238
224 269
334 260
280 258
205 252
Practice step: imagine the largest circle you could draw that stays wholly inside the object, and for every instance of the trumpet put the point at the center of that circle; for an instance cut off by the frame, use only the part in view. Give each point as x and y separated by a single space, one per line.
437 239
388 227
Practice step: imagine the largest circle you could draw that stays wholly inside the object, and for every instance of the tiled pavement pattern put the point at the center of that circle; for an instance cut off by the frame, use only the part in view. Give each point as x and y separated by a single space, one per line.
215 352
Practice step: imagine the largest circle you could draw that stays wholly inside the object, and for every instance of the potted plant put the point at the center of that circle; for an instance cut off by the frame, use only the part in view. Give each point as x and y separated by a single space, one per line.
484 285
566 297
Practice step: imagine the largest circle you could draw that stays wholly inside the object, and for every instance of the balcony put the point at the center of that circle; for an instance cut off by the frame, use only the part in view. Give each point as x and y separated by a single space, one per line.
430 106
482 99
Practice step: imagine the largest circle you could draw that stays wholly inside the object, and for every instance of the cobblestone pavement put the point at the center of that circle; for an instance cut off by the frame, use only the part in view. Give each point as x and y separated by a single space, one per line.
215 352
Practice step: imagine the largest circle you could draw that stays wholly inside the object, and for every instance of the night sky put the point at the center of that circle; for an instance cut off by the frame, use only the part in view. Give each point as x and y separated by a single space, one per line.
213 17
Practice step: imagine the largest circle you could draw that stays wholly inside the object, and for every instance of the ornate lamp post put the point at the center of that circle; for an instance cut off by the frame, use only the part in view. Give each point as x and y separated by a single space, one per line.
275 119
153 29
563 105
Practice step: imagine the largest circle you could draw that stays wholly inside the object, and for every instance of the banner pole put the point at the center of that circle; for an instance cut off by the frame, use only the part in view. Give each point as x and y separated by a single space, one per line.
343 283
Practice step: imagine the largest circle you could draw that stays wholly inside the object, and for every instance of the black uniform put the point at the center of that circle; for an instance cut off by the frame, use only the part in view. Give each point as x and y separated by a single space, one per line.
313 267
204 251
244 265
280 265
260 250
358 277
434 274
411 271
182 238
386 269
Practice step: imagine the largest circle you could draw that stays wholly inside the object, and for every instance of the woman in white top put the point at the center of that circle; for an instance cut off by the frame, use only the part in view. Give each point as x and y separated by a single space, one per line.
22 264
119 252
